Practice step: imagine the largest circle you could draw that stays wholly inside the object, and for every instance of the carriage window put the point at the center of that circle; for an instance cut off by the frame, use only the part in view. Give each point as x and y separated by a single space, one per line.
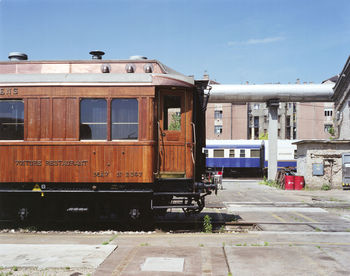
242 153
255 153
206 153
219 153
232 153
93 119
172 113
11 120
125 119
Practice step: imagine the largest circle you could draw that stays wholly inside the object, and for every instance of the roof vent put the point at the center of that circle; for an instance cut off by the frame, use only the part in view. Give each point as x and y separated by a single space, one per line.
137 58
97 54
148 68
17 56
105 68
130 68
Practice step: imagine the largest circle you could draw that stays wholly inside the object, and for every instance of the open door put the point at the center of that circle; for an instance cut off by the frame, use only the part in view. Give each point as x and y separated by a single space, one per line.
171 134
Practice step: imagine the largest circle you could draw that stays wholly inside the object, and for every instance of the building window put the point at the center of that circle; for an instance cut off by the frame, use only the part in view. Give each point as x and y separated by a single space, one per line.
217 130
218 153
11 120
256 121
232 153
328 128
125 119
288 121
256 106
328 112
218 114
93 119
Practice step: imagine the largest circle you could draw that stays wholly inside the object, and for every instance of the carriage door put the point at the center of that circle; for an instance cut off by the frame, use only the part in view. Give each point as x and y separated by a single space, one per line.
171 135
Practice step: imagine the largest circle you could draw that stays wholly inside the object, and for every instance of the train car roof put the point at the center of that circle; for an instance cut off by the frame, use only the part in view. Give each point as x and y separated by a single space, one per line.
234 144
91 72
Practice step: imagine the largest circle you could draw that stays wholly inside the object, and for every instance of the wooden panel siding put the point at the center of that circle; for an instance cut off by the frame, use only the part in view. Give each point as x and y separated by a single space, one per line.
76 163
45 119
72 119
88 91
58 118
33 106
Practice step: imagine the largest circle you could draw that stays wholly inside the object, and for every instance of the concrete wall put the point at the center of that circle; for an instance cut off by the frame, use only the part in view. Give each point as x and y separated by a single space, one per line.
344 120
239 121
233 121
311 120
328 153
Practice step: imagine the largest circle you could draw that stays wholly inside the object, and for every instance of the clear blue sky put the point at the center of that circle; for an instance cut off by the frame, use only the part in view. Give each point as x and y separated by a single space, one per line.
259 41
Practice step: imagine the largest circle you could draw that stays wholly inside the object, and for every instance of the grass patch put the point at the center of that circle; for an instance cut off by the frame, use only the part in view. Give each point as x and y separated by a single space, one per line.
271 183
325 187
110 240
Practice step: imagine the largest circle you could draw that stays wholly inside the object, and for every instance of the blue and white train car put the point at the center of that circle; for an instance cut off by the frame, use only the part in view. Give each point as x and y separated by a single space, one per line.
235 156
286 154
247 157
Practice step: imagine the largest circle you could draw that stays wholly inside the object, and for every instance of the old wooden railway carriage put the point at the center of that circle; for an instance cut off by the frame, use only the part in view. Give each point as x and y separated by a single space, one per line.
107 138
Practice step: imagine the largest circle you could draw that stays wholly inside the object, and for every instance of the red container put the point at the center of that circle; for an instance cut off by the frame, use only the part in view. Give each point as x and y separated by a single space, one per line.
299 182
289 182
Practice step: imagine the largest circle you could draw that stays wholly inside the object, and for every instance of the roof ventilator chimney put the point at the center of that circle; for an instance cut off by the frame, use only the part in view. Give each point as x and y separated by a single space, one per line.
138 58
97 54
13 56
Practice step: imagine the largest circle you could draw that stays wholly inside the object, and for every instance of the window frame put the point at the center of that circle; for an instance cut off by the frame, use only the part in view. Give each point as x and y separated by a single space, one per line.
111 119
95 123
218 127
216 151
17 124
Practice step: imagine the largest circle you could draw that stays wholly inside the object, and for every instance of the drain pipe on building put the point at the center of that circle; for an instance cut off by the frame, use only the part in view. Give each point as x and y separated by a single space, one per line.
272 94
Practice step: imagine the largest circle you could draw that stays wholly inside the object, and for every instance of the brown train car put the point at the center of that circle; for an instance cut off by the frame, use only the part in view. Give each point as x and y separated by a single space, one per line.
103 137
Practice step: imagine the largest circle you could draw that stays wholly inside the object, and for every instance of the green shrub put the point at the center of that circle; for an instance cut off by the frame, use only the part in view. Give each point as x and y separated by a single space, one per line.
207 226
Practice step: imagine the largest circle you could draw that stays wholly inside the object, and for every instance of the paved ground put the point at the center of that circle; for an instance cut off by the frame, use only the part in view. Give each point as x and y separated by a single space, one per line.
302 233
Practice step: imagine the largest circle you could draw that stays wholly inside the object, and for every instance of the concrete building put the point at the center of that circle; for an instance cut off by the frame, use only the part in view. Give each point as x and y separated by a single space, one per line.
320 162
341 99
327 162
